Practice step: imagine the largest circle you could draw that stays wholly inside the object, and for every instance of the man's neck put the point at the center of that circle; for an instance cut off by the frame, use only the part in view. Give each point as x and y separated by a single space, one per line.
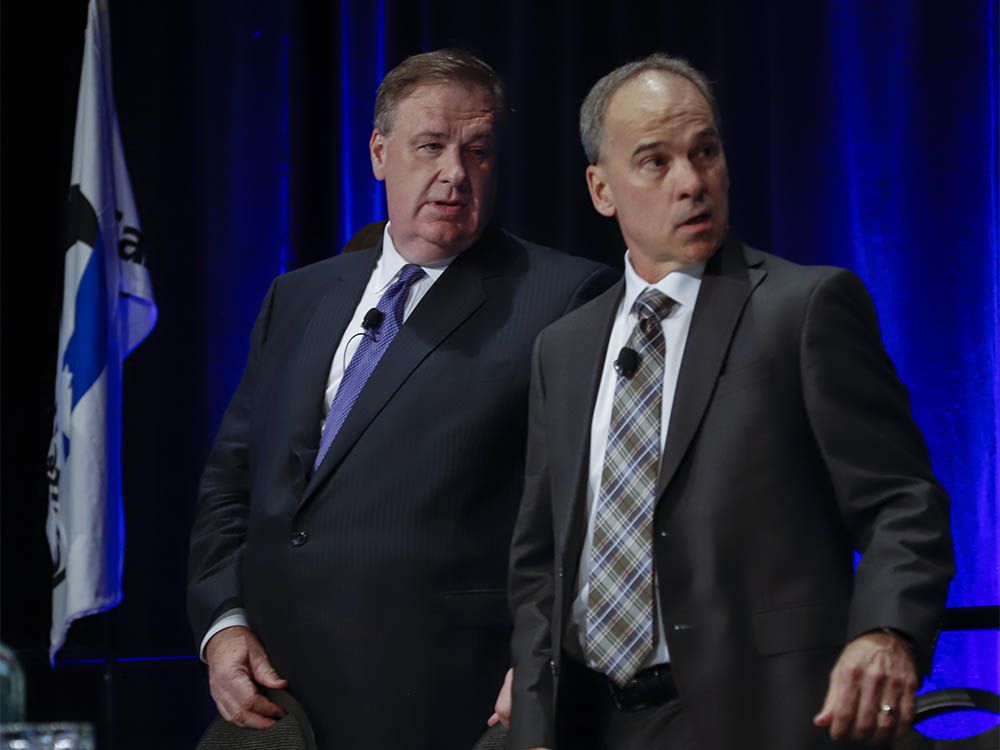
425 254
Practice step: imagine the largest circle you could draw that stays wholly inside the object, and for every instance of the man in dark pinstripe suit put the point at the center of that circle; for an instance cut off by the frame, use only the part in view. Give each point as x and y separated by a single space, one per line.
357 507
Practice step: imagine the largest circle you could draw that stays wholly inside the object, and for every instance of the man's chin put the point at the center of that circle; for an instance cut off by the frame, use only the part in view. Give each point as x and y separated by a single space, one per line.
701 247
442 242
450 237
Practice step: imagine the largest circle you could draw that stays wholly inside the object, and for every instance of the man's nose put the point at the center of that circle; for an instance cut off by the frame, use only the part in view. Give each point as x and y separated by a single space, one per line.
690 182
453 168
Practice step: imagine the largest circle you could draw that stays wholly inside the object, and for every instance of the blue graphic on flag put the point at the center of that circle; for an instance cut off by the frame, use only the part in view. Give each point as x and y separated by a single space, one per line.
87 349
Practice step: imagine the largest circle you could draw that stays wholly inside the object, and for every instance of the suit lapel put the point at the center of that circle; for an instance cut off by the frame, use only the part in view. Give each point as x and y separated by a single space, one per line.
729 280
448 303
319 343
583 367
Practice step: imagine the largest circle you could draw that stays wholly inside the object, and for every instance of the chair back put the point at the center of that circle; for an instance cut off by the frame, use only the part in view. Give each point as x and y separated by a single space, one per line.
949 701
291 732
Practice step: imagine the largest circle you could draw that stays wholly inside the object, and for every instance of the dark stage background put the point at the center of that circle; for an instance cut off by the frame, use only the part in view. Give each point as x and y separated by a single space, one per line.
863 134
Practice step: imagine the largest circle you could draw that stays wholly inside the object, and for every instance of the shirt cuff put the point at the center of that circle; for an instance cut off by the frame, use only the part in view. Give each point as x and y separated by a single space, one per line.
228 619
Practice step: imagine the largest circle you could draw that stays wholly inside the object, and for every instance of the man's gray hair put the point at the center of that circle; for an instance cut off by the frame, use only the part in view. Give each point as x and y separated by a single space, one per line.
596 104
439 66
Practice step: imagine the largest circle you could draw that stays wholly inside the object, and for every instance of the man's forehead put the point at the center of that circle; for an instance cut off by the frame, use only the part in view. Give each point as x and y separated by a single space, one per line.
657 106
450 97
656 95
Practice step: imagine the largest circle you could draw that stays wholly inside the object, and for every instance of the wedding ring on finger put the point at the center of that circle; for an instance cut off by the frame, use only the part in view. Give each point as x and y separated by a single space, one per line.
887 710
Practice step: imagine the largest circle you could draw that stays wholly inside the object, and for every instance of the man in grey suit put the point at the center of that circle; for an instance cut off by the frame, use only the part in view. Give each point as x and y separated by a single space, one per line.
357 506
709 442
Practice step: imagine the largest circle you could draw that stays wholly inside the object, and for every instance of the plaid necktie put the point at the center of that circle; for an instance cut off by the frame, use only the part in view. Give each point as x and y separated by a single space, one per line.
620 599
369 352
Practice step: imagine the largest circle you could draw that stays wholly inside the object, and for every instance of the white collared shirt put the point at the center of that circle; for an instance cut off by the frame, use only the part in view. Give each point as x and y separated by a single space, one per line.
681 286
386 271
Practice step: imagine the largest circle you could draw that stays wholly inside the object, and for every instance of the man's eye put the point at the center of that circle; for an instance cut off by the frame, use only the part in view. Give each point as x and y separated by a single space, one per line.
432 148
653 162
709 151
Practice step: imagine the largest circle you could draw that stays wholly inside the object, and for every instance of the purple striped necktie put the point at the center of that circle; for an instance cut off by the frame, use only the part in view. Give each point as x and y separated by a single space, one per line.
369 352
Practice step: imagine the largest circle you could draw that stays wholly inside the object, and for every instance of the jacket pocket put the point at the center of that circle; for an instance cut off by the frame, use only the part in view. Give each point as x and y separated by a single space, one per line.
799 628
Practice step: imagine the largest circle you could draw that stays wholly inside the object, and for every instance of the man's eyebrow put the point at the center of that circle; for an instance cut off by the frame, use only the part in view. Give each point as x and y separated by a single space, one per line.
434 134
648 146
706 133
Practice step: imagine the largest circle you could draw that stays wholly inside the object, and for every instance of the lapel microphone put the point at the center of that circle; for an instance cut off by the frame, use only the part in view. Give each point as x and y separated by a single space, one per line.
627 362
373 319
369 324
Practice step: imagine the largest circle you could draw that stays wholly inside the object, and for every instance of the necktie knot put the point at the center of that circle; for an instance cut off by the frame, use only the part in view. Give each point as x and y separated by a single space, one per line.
653 303
651 307
394 298
408 274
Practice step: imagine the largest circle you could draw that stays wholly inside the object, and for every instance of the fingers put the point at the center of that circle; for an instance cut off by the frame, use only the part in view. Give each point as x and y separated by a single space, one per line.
907 708
262 670
235 660
825 716
503 704
886 714
870 686
239 703
845 705
875 671
840 704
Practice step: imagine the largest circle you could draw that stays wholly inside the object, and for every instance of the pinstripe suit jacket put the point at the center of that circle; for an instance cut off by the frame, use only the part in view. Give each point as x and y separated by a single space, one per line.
388 613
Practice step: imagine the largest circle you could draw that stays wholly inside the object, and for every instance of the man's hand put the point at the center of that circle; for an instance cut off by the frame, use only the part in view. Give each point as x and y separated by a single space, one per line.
502 707
236 664
875 670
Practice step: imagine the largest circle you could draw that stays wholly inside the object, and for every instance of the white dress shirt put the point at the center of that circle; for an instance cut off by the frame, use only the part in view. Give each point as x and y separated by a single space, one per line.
681 286
386 271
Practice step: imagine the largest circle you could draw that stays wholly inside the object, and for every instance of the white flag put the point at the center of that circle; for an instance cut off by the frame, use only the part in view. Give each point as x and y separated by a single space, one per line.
107 309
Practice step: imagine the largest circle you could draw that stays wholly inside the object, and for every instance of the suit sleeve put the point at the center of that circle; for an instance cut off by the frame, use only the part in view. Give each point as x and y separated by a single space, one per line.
220 524
531 585
892 505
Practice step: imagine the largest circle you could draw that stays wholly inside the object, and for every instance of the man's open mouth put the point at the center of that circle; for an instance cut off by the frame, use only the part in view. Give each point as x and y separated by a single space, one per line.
701 218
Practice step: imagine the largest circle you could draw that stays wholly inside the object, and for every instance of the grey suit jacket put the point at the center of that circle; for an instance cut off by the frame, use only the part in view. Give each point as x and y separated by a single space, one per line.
790 445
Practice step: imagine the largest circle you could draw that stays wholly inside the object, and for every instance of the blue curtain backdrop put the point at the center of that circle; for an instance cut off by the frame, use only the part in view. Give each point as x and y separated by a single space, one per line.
861 134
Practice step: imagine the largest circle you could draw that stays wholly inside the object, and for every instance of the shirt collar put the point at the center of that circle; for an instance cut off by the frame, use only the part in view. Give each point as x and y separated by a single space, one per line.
681 285
391 262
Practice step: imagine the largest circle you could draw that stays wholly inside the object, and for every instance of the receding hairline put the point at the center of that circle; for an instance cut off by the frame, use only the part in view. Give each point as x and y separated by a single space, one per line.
595 106
636 79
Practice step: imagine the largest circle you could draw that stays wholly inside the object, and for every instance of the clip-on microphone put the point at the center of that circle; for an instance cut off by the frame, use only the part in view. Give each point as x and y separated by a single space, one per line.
373 319
627 362
369 324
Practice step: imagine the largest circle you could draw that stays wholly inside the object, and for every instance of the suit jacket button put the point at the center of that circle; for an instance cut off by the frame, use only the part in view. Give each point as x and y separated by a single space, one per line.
299 538
553 667
664 533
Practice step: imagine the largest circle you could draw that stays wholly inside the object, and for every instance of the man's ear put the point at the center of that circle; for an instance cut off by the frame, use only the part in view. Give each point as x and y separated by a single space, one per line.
376 149
600 191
